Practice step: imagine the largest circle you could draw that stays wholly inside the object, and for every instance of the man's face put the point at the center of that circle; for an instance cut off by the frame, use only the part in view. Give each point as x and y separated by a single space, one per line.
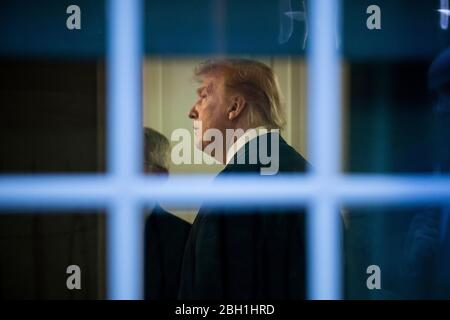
210 111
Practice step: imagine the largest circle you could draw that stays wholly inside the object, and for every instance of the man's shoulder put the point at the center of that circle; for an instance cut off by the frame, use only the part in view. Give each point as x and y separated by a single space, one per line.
289 160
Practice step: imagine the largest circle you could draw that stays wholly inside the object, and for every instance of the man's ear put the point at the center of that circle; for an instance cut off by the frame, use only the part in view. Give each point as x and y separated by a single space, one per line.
238 105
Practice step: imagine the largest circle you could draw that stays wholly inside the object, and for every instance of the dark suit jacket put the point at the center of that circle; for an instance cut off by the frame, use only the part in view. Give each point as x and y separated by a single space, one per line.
234 254
165 239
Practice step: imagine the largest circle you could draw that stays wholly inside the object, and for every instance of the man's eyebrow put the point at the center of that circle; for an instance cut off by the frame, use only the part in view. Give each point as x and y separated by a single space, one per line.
208 88
200 90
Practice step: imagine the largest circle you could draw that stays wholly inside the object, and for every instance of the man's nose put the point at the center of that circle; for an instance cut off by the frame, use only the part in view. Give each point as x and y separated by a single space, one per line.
193 114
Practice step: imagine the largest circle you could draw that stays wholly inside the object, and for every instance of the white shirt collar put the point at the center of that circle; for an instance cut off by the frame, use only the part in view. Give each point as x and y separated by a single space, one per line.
242 140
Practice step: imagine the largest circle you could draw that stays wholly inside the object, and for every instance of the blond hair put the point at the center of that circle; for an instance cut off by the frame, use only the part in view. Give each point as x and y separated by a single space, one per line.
256 82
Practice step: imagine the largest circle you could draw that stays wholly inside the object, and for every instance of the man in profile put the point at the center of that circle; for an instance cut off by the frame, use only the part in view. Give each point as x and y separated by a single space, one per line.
165 234
237 254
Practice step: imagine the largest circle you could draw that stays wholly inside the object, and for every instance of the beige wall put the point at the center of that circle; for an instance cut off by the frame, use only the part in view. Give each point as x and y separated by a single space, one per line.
169 92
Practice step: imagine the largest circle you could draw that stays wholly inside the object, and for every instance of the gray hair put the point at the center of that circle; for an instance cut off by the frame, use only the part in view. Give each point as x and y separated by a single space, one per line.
156 149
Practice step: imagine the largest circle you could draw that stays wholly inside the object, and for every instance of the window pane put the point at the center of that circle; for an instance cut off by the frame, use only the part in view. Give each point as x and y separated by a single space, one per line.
52 115
40 253
397 252
170 93
230 252
396 107
52 87
52 121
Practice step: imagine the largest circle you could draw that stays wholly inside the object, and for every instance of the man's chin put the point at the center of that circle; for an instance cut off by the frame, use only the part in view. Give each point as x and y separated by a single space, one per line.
198 144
